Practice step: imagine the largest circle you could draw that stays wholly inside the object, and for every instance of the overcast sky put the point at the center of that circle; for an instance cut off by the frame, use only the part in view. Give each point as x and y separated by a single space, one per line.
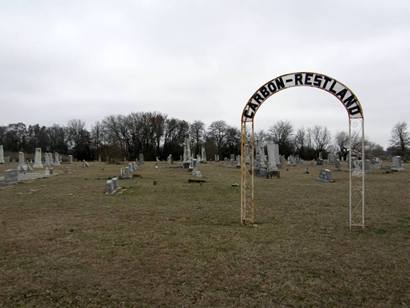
202 60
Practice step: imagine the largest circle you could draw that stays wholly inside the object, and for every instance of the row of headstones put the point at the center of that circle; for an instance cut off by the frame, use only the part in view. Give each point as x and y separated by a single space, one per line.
187 156
111 186
266 164
23 165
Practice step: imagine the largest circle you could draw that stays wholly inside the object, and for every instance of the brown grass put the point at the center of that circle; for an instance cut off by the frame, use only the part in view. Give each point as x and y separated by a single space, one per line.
63 242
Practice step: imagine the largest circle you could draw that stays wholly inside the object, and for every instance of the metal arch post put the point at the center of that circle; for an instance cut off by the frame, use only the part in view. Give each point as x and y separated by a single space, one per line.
363 172
350 173
247 173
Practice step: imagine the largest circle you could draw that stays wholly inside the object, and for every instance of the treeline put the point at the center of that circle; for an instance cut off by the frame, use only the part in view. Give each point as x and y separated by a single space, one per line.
156 135
123 137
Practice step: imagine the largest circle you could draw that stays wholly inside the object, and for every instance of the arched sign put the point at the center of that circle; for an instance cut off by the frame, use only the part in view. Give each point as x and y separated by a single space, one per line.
320 81
310 79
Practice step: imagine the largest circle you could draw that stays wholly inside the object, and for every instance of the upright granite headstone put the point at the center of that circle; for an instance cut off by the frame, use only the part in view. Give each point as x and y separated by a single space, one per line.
141 158
272 159
1 154
203 154
37 159
396 164
326 176
70 159
109 187
216 157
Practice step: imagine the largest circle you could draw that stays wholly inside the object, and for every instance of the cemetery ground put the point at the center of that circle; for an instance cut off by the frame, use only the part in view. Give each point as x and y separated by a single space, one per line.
64 242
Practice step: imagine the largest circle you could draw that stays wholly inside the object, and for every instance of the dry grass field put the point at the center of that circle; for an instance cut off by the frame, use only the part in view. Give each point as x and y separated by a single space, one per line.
63 242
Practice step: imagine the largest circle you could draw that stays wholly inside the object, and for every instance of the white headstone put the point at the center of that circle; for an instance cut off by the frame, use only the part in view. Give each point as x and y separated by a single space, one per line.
22 166
56 159
70 159
48 159
37 159
1 154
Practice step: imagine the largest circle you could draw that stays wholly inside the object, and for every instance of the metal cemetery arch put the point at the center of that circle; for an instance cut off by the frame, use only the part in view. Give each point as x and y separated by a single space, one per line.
315 80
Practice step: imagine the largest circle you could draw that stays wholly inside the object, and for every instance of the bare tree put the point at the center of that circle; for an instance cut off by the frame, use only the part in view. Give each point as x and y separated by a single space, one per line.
400 138
97 138
197 131
218 130
321 138
281 133
300 140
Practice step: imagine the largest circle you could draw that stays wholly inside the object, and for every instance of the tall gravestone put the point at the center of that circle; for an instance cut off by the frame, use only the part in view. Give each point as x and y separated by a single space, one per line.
22 166
1 154
203 154
261 163
56 159
48 160
141 158
37 159
70 159
272 160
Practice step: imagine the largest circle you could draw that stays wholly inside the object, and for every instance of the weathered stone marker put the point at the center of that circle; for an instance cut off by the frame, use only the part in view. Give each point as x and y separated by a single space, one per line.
1 154
37 159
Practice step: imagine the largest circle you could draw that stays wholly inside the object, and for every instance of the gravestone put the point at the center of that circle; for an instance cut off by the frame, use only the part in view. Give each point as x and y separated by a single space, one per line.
203 154
109 187
272 159
115 183
232 157
396 164
37 159
84 164
70 159
325 175
358 167
331 158
238 161
337 164
216 157
56 159
291 160
1 154
11 176
141 158
376 163
125 173
169 159
48 159
261 163
22 165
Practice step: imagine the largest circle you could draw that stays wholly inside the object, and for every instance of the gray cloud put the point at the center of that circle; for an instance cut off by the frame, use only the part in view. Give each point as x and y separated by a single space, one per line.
202 59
